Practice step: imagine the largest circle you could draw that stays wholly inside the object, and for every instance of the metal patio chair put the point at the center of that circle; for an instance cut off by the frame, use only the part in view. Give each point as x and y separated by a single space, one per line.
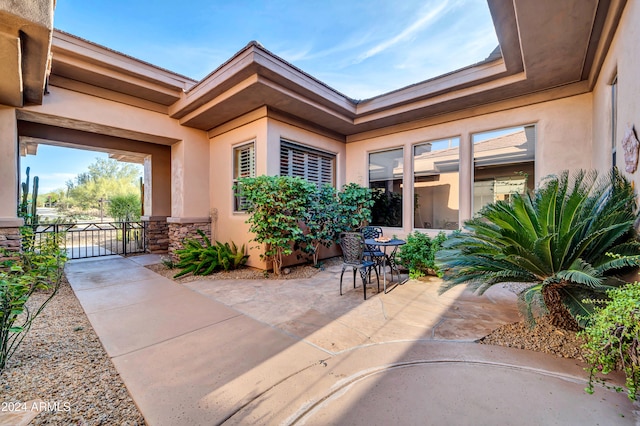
353 247
372 251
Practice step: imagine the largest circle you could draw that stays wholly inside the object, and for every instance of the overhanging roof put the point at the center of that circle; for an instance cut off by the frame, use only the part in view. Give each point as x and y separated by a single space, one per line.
544 44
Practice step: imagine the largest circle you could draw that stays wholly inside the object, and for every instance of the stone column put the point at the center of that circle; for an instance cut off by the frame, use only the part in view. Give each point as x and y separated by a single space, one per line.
156 233
181 228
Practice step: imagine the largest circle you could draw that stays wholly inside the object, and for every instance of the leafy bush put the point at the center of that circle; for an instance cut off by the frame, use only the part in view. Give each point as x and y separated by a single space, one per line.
38 267
558 239
418 255
613 338
204 259
320 218
354 207
277 205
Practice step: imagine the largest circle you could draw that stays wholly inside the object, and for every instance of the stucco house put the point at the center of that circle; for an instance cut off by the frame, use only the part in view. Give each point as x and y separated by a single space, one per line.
559 93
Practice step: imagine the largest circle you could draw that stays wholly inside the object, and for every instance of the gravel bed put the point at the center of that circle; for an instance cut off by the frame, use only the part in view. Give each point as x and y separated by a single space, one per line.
61 362
543 337
249 273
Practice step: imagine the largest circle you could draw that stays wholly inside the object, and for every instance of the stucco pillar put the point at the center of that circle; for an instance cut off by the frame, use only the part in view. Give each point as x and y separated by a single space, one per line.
407 189
157 185
466 178
190 203
9 180
157 201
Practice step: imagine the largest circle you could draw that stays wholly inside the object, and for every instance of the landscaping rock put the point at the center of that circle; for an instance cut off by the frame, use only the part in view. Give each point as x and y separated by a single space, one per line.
62 363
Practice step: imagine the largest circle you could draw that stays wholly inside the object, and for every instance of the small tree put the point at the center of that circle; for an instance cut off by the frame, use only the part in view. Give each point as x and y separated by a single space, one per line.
354 207
277 204
321 219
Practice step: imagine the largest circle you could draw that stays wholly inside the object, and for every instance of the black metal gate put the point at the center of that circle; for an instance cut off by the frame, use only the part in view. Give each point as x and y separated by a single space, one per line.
83 240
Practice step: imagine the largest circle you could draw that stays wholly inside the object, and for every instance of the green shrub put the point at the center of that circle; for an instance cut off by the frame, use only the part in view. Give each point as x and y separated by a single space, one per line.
321 219
38 267
558 238
613 338
354 207
124 208
277 205
203 258
418 255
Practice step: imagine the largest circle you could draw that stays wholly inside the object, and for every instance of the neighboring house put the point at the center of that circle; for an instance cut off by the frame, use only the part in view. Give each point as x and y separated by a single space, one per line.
558 94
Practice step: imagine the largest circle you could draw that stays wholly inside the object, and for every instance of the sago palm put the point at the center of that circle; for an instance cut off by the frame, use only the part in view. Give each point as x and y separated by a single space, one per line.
569 238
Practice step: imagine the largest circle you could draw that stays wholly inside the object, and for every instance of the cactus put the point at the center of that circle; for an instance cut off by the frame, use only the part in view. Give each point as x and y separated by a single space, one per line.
34 200
22 207
29 213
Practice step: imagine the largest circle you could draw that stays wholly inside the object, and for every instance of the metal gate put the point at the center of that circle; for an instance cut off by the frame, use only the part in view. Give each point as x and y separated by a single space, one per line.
83 240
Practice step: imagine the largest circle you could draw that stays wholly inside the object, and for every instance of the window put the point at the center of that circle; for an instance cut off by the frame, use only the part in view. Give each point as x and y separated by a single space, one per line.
385 181
244 165
308 163
436 185
503 164
614 118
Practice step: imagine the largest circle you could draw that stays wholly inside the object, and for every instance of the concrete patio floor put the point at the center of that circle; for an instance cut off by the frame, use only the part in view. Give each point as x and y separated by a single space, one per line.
296 352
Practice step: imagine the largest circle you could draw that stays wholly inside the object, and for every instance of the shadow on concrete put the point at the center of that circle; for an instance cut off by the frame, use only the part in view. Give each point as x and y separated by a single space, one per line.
289 351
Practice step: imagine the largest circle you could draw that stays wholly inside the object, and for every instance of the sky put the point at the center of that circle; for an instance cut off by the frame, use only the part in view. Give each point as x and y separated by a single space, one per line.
360 48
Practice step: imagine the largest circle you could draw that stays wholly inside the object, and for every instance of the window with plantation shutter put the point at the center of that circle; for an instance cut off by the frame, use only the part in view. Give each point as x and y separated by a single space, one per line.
313 165
244 165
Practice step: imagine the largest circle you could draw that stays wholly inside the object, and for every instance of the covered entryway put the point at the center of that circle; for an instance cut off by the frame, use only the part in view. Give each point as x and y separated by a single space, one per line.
104 238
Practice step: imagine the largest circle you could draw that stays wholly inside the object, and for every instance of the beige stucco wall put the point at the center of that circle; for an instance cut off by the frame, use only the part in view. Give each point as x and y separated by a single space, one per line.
231 226
189 177
266 132
623 60
563 130
9 173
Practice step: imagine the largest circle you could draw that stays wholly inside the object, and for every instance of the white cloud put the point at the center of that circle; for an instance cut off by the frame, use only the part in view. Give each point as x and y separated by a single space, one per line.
427 18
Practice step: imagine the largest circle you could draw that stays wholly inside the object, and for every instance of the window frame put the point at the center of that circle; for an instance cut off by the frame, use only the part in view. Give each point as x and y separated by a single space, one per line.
402 149
237 174
614 119
500 129
413 176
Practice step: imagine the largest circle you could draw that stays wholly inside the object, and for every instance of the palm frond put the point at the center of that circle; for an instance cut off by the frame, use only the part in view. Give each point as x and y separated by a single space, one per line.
581 272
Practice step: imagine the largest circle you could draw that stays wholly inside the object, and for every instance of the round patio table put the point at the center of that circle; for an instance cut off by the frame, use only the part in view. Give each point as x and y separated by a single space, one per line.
395 243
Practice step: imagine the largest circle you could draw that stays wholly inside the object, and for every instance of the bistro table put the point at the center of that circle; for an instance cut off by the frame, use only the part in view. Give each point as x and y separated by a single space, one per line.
384 243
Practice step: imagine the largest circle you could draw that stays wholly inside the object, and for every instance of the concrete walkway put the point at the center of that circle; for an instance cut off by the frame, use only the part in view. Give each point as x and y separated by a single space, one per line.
296 352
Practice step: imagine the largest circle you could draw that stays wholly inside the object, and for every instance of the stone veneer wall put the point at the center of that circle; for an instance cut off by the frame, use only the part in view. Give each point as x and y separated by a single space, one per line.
10 239
179 231
157 235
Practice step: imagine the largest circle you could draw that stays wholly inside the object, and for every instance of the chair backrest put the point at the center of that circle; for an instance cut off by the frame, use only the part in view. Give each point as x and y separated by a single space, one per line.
371 232
352 244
